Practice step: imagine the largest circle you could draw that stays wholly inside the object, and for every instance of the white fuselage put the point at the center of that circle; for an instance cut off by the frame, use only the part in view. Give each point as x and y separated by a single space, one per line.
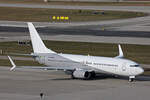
109 65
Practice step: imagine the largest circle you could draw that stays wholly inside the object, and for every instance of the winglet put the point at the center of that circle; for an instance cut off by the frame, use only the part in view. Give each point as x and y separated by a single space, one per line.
13 64
121 55
120 52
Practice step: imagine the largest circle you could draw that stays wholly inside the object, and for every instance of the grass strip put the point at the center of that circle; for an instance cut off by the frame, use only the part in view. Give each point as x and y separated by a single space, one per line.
147 72
5 62
138 53
46 15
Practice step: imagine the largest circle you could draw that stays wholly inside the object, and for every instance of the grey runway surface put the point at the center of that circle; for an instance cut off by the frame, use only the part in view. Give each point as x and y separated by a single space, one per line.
88 30
79 34
140 23
122 8
28 84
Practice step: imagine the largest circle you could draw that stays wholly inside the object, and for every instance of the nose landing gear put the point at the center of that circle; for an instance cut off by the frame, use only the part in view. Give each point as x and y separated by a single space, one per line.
131 78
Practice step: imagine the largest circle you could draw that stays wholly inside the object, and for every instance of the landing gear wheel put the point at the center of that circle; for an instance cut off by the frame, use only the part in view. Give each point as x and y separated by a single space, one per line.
131 78
72 77
93 75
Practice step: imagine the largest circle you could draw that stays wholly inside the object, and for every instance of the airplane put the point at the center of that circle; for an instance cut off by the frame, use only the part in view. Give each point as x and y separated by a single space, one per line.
79 66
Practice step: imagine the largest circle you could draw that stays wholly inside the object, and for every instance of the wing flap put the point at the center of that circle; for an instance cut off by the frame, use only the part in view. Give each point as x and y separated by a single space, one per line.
47 68
19 54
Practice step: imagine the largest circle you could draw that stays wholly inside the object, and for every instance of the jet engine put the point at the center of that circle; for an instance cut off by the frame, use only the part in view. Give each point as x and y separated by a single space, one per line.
83 74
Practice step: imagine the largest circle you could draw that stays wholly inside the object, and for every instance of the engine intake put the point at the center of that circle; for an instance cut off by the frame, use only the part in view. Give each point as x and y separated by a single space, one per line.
83 74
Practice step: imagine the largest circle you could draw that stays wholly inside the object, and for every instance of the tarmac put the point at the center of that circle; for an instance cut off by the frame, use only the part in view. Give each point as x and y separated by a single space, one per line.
23 84
118 8
132 24
77 34
124 31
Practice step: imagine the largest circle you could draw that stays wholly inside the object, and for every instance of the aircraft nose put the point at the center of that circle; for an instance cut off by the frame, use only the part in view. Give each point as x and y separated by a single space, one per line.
140 70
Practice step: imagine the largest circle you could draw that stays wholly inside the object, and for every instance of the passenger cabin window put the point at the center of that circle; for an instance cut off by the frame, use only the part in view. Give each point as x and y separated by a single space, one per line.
134 65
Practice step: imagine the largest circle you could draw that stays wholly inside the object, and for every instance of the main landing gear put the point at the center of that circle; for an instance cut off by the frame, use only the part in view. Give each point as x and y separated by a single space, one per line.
131 78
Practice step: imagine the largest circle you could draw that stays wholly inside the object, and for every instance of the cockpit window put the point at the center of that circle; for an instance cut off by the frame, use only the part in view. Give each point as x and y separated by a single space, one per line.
134 65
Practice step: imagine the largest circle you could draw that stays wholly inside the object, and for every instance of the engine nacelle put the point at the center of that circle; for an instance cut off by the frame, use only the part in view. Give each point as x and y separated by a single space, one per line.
83 74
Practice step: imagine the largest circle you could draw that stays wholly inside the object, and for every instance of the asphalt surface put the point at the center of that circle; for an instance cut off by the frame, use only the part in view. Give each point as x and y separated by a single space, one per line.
119 8
26 84
74 31
77 35
135 24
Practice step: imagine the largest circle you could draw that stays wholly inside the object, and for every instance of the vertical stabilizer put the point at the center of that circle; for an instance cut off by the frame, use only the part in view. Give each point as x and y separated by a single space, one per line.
37 43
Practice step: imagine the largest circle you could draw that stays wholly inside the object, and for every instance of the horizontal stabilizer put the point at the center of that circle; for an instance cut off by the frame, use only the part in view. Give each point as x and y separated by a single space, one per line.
13 64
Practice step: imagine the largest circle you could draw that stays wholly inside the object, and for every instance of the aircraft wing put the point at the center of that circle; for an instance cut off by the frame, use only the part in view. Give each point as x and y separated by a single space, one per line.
46 68
67 68
19 54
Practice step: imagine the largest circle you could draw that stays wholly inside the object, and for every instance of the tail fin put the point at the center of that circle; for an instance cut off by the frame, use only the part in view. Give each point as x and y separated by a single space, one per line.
37 43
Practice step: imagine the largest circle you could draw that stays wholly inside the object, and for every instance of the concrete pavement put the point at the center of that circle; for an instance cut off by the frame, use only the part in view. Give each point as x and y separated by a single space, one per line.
24 84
